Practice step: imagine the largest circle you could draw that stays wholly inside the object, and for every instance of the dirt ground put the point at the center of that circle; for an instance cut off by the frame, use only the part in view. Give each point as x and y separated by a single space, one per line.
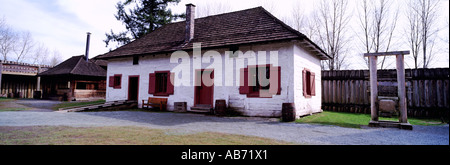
271 128
31 105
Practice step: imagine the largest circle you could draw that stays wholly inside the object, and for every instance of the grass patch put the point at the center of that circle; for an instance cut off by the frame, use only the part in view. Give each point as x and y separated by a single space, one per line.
63 135
2 109
353 120
2 99
77 103
4 105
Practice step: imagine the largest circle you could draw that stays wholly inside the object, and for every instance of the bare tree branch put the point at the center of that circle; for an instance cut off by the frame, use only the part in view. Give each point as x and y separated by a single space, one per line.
378 24
428 19
24 44
40 54
332 19
55 59
6 39
422 17
413 31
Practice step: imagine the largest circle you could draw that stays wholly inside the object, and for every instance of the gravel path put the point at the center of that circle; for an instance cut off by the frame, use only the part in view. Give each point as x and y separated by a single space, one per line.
185 123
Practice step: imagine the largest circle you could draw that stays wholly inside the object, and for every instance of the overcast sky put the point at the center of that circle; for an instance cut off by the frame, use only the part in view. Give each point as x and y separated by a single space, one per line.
62 24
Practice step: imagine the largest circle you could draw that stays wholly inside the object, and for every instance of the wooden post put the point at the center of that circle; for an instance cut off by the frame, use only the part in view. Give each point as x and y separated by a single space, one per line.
38 84
401 89
1 70
373 88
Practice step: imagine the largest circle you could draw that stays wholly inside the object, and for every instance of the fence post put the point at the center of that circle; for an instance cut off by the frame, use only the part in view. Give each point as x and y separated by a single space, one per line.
401 89
373 88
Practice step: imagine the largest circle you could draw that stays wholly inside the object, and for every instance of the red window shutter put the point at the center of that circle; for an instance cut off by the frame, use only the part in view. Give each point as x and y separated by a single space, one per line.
243 85
170 83
120 81
313 84
304 82
275 80
111 81
152 83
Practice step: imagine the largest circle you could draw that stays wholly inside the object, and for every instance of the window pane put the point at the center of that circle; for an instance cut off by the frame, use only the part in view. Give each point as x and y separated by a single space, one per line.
135 60
265 80
161 82
308 83
117 80
81 85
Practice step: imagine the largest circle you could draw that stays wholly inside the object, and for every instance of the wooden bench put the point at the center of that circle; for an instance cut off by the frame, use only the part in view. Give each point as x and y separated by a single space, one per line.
155 102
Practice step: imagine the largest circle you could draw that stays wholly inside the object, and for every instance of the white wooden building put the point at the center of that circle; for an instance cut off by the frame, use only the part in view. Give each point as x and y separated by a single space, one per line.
234 49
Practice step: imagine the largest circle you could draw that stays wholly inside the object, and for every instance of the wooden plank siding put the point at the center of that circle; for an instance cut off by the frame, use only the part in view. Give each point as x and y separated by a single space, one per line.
18 86
427 91
19 79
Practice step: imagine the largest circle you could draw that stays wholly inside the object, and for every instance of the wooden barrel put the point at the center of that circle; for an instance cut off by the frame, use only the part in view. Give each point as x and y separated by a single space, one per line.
288 112
221 107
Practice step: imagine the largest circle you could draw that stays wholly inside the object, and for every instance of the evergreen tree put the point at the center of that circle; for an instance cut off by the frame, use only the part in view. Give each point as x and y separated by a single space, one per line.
145 17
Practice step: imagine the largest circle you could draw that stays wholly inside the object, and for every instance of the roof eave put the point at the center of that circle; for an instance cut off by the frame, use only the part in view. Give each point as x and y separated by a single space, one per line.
311 46
203 48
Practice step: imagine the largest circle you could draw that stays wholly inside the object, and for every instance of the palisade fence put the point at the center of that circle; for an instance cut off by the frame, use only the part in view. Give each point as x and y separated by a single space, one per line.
427 91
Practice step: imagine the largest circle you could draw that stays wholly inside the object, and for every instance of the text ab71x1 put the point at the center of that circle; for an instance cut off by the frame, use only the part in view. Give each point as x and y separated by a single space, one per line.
229 155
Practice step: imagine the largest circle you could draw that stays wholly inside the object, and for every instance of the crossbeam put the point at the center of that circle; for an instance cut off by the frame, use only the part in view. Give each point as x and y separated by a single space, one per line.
387 53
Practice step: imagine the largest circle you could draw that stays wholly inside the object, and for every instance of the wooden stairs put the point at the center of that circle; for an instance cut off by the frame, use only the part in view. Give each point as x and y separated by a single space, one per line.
110 105
201 109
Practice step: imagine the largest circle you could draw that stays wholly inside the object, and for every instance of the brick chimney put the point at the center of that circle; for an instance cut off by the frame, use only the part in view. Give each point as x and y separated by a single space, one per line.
190 22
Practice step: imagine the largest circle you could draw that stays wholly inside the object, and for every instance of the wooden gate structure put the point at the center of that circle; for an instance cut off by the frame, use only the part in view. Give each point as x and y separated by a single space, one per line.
375 100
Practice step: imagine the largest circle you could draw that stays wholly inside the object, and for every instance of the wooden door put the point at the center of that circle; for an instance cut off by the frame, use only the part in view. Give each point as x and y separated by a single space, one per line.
204 91
133 87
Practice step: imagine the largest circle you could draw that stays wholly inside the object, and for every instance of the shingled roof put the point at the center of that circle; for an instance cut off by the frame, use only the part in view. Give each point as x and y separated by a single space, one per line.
249 26
76 65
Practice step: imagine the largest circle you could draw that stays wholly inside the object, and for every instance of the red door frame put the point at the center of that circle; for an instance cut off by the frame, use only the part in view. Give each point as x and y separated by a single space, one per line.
137 92
196 90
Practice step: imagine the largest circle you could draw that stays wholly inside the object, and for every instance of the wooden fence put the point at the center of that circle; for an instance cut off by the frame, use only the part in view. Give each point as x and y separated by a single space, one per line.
427 91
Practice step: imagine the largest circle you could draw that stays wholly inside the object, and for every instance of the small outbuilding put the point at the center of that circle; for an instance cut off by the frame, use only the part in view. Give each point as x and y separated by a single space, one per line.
74 79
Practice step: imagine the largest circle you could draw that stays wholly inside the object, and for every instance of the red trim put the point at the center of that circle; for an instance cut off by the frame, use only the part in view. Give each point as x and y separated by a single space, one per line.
313 84
248 88
263 65
197 83
279 81
196 87
170 83
169 87
137 91
151 83
308 85
161 94
243 86
117 86
164 71
111 81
